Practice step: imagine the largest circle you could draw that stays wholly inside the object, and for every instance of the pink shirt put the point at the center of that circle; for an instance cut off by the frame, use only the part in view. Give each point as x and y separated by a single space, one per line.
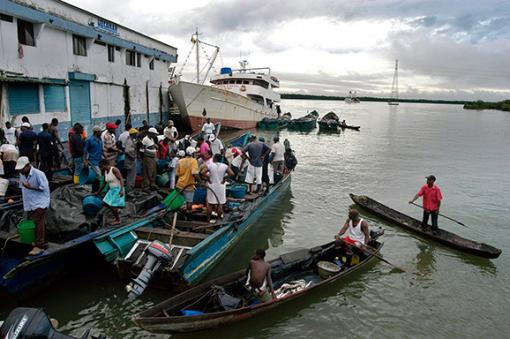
204 148
431 197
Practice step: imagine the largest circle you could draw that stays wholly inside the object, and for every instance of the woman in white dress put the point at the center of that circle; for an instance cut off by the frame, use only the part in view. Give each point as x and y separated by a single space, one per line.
216 191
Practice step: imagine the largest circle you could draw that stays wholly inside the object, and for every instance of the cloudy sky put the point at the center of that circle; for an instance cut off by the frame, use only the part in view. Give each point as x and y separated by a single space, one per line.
446 49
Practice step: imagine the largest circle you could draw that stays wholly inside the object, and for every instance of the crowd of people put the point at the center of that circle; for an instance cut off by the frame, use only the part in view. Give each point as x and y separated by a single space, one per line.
115 157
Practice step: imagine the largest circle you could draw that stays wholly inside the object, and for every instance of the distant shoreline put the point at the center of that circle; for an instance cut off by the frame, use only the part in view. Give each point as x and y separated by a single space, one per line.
327 97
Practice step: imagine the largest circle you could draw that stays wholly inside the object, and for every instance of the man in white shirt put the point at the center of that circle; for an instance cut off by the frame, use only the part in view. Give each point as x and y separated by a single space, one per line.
216 145
10 133
170 131
278 156
208 128
124 136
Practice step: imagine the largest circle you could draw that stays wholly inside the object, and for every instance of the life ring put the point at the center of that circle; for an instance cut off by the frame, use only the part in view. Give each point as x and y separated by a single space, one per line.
243 88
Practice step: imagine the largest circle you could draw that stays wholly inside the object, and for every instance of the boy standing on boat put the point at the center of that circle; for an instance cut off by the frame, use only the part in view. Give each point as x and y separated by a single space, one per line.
431 202
259 280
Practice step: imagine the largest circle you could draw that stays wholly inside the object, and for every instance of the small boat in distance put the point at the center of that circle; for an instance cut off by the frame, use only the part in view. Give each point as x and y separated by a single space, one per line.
352 98
329 122
294 276
305 123
275 124
444 237
394 87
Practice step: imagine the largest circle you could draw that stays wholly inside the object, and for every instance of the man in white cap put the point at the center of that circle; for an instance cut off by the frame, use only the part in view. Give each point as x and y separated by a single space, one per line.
36 200
216 145
173 167
170 131
27 141
149 165
187 171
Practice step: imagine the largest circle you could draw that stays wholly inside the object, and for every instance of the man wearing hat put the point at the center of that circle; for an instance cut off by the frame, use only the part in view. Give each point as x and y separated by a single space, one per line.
187 172
149 165
27 141
170 132
131 151
36 199
172 166
110 144
93 150
216 145
431 202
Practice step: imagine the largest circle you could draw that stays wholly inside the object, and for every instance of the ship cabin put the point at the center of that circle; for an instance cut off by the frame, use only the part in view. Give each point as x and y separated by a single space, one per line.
251 83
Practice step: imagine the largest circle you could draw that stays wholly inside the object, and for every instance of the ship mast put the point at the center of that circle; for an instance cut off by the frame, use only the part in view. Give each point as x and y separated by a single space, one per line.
394 86
194 39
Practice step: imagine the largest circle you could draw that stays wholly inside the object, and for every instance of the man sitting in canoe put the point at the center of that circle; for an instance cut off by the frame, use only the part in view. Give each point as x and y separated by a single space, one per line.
358 230
431 202
259 277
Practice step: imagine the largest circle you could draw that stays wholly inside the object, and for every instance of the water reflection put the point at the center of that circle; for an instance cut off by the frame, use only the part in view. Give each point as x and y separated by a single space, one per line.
425 260
266 233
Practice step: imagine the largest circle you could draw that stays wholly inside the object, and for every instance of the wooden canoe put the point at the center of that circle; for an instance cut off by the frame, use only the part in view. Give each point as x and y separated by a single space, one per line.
167 317
444 237
350 127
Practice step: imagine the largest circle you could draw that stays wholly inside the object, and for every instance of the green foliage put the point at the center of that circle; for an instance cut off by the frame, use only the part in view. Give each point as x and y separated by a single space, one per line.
479 105
328 97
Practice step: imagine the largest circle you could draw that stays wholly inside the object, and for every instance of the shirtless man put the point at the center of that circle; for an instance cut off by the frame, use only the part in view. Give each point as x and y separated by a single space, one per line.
259 277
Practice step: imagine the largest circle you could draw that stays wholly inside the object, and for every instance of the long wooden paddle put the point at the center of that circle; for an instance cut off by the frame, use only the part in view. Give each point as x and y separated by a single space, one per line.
444 216
373 252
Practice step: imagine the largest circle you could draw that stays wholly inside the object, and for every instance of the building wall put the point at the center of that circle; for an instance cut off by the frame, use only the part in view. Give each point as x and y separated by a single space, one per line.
53 58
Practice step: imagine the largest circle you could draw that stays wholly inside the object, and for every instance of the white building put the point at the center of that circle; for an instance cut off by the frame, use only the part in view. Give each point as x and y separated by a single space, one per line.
59 61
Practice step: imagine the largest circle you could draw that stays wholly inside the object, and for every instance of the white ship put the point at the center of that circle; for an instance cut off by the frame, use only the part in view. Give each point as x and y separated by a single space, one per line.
236 98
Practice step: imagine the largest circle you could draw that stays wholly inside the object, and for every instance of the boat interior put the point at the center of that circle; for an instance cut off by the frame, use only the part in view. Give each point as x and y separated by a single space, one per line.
291 273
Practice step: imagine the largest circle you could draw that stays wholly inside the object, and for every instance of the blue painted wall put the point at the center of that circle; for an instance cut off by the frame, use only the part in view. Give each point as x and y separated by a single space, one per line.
23 98
54 98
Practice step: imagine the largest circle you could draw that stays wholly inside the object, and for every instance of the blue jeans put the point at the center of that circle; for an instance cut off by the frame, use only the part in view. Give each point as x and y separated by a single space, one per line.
78 165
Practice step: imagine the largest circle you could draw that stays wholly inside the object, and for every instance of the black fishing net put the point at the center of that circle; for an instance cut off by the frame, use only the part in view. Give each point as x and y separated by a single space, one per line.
65 218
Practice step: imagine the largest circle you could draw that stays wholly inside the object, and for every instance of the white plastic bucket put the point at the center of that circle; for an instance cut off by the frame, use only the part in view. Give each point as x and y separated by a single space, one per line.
4 184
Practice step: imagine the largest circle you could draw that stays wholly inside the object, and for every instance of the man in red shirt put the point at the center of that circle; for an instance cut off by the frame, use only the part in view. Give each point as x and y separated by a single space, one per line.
431 202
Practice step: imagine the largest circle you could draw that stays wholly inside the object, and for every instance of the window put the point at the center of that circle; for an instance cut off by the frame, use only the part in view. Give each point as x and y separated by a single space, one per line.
111 53
79 45
26 33
246 82
5 17
130 58
23 98
151 64
239 82
54 98
138 60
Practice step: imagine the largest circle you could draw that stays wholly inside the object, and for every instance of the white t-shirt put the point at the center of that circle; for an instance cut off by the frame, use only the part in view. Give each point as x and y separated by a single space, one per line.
208 128
123 138
216 146
10 135
217 172
279 152
236 162
170 132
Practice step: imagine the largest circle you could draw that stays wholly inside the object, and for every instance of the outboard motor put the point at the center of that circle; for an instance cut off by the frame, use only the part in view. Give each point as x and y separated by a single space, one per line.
24 322
374 234
158 253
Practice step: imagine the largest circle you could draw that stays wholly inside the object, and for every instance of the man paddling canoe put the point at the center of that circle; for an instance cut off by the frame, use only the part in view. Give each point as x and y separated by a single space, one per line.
358 230
431 202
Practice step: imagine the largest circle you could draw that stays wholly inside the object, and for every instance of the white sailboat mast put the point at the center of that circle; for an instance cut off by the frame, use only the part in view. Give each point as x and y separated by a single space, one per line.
394 86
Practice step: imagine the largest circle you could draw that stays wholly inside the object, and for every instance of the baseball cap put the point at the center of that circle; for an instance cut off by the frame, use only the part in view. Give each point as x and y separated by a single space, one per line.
153 130
96 129
133 131
25 124
212 137
21 163
181 153
111 125
433 177
190 150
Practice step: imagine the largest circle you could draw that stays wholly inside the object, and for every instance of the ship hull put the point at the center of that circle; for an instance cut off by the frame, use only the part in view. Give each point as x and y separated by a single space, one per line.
231 109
